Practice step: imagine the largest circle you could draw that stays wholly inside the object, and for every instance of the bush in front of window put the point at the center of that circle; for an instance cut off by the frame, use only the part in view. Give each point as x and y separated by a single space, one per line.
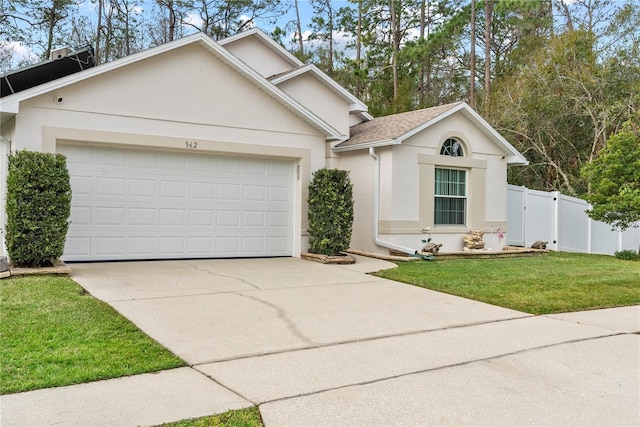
38 207
330 211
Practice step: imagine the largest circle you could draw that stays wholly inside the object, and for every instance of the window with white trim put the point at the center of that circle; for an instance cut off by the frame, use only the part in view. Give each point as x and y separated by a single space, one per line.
450 207
452 147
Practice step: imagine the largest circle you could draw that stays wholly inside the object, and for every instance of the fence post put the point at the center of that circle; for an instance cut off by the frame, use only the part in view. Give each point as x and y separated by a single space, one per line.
525 196
555 219
619 239
589 228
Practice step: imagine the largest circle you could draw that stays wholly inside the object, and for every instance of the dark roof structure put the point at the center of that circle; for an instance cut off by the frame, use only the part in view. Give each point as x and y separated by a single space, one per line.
44 72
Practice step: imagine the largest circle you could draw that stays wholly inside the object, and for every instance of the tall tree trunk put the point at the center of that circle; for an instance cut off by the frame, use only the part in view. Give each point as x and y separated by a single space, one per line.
472 68
299 29
421 83
98 32
488 12
359 51
395 41
127 30
172 20
330 16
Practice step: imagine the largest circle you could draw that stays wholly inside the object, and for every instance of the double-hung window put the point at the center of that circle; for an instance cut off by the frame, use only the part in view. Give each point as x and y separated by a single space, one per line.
450 197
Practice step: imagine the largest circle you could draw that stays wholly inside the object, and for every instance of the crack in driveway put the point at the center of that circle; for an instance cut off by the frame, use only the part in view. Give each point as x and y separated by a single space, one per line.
282 315
197 267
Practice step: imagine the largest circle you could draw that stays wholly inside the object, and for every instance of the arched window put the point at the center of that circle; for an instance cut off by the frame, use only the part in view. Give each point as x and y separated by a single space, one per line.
452 147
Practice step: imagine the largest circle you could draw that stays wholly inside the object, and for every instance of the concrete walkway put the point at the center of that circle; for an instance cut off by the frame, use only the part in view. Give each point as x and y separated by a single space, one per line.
315 344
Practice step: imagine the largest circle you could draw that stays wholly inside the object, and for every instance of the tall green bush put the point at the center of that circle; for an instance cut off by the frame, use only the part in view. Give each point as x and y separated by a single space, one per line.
330 211
38 207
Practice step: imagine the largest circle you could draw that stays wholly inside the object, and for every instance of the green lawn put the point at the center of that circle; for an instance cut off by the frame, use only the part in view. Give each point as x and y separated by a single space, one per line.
249 417
557 282
54 334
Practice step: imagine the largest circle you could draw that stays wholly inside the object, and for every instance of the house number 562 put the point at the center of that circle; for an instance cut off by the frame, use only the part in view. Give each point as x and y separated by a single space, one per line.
191 144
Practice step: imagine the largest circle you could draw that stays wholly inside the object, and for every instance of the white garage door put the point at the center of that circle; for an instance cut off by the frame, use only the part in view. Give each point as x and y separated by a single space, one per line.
147 204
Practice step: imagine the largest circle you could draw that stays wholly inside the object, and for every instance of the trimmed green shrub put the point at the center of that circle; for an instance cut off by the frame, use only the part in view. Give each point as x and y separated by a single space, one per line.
38 207
330 211
627 255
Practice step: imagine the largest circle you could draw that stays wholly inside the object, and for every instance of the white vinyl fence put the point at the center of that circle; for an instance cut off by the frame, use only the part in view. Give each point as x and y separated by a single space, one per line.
561 220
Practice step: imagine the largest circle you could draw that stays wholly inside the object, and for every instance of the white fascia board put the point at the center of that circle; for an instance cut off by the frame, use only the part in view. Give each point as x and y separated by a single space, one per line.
354 103
9 108
375 144
366 115
266 40
517 160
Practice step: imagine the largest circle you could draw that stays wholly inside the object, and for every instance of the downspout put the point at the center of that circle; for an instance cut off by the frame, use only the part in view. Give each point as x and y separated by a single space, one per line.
376 211
5 146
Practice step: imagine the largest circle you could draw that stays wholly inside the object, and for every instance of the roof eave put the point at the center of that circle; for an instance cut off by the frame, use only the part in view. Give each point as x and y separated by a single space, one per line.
518 160
367 145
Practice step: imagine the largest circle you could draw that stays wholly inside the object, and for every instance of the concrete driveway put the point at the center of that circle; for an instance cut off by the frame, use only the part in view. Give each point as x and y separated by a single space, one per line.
328 345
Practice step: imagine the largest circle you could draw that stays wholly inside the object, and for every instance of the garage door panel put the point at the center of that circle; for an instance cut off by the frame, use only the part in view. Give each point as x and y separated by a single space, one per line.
201 217
276 244
254 193
142 246
172 246
142 216
77 246
81 215
143 204
229 166
253 218
172 217
81 184
279 169
110 186
110 216
110 245
278 219
278 194
173 189
201 191
140 187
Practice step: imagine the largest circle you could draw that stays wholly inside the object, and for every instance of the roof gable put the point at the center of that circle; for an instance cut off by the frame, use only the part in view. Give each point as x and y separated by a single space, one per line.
260 37
355 105
10 104
396 128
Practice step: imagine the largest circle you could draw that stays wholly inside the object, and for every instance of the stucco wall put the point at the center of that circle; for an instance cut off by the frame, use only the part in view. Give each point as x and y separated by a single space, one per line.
314 95
258 56
361 167
407 188
170 102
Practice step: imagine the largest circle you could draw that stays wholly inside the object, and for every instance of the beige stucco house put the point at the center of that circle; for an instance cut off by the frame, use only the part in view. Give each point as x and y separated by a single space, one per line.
199 148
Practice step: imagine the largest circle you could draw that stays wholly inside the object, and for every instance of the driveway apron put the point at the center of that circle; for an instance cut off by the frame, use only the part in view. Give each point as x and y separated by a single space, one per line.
329 345
213 310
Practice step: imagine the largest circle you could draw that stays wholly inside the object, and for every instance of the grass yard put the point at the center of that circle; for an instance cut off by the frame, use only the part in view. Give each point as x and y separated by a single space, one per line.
53 334
557 282
249 417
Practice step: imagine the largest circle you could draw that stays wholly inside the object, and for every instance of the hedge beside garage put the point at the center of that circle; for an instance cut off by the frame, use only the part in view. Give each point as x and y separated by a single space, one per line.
38 207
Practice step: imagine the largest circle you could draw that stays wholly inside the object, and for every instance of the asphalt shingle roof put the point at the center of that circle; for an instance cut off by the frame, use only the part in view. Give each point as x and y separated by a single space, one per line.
390 127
